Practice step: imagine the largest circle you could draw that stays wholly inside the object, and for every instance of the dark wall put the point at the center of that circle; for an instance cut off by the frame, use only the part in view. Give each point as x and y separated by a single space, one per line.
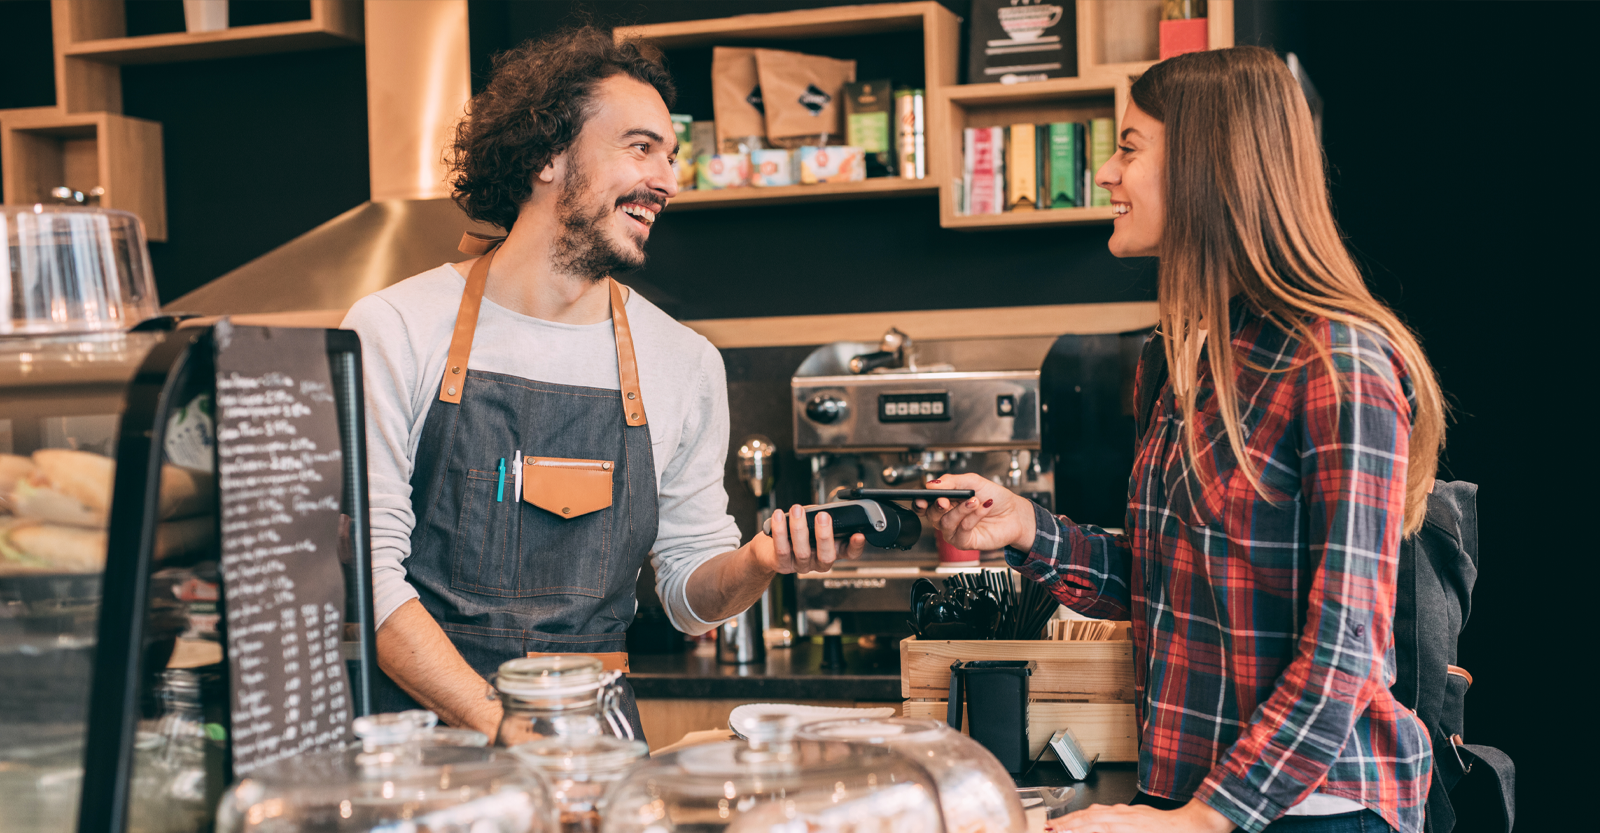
1476 238
258 151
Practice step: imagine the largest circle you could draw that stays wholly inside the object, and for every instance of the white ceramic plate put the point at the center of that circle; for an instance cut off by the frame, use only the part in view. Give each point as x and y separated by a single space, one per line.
807 714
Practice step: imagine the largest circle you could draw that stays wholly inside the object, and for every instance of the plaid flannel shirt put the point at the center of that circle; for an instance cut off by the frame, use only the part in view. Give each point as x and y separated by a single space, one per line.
1263 625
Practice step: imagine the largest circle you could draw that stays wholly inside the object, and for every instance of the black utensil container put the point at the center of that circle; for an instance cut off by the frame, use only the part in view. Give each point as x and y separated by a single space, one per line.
996 695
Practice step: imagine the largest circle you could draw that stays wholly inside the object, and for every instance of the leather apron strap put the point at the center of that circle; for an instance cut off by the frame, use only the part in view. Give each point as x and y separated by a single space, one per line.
455 368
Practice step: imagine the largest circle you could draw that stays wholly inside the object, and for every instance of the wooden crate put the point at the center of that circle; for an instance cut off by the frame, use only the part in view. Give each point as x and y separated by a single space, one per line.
1083 686
1109 729
1095 672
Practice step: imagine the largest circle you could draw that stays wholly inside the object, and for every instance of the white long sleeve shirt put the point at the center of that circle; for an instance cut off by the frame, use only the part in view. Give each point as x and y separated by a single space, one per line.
405 339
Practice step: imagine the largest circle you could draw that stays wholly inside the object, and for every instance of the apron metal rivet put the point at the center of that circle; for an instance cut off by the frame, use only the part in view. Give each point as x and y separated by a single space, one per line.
451 391
630 416
605 466
566 510
456 369
631 395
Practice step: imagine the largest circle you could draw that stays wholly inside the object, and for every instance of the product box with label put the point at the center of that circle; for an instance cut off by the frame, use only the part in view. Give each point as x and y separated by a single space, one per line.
722 170
772 167
832 164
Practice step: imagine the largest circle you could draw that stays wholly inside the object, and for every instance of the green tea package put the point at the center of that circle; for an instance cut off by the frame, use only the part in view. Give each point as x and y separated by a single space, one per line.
869 122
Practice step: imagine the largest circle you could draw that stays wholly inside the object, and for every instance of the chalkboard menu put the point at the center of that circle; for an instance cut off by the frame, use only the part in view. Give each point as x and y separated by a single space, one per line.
279 466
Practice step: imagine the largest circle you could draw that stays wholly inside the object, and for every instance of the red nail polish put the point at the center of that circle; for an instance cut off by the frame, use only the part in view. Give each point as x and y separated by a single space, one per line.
936 480
988 503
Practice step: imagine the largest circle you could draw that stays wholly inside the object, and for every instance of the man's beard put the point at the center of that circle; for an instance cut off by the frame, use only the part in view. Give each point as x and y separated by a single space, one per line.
582 247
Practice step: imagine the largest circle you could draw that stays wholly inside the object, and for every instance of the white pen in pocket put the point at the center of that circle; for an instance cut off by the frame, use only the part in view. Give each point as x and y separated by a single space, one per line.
516 487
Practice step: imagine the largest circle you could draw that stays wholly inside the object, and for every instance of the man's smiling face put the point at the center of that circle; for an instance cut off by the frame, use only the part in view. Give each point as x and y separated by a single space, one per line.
617 177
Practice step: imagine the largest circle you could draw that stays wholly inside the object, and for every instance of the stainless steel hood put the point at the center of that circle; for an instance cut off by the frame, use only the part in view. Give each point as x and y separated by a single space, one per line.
418 83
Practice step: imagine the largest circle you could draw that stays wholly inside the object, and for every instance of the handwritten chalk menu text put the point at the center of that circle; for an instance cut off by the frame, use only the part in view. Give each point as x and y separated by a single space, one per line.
279 457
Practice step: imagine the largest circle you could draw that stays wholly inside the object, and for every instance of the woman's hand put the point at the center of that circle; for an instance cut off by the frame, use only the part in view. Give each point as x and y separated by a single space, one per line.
992 518
1194 817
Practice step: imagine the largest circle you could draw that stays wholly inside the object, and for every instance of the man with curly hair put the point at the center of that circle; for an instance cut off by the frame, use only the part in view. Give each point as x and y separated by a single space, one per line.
530 366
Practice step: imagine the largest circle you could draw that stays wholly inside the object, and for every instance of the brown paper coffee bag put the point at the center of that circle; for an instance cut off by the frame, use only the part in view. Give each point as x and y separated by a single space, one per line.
735 97
803 95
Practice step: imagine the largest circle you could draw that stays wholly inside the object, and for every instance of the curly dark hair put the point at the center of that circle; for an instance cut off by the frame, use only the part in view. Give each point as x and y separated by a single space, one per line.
532 110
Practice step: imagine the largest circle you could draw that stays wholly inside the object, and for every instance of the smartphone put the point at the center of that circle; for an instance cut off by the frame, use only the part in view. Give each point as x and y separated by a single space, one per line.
907 494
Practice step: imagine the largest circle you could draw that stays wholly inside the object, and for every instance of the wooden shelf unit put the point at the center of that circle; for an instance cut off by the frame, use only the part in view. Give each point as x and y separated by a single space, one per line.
881 188
1035 102
1119 37
941 49
41 149
332 23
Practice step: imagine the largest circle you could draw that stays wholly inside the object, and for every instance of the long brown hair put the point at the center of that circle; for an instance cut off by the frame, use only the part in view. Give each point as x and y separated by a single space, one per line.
1247 211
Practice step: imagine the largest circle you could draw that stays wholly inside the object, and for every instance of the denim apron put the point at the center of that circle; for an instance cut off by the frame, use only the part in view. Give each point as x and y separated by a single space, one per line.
551 570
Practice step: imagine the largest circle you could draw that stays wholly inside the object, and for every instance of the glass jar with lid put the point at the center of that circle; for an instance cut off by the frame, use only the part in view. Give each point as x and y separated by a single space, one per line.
976 794
581 770
775 783
549 696
395 779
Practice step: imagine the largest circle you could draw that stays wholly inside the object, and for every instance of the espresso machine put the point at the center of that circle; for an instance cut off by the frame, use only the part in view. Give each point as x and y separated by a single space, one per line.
897 414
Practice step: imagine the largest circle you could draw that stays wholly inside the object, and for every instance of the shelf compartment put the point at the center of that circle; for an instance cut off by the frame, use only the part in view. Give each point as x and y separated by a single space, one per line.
40 150
941 46
1035 102
333 23
882 188
1120 37
838 21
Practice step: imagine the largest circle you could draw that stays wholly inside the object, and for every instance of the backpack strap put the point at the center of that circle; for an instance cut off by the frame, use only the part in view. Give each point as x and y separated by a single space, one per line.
1504 782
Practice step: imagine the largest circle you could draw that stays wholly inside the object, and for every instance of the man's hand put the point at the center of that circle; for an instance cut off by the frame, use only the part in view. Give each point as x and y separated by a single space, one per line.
1194 817
732 581
791 550
414 651
992 518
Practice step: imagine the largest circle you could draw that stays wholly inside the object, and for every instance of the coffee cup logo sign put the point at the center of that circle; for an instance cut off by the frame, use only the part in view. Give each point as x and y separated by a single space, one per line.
769 168
1027 22
814 99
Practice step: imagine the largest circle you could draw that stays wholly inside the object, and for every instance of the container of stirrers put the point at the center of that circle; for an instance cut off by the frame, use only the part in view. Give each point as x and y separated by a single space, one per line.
1024 610
1084 630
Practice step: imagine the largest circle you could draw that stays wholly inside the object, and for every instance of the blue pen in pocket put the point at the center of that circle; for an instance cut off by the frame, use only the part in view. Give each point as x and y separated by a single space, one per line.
500 488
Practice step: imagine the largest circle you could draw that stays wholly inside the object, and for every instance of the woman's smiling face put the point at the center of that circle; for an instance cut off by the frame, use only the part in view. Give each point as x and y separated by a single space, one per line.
1135 177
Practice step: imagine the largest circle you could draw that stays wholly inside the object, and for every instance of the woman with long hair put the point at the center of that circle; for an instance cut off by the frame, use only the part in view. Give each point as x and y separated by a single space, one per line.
1291 446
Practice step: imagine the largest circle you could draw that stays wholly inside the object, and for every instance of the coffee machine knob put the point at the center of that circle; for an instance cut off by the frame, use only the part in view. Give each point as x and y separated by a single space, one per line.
827 409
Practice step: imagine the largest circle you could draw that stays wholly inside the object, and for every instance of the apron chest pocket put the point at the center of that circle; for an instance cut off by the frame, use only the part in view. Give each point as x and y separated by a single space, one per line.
567 488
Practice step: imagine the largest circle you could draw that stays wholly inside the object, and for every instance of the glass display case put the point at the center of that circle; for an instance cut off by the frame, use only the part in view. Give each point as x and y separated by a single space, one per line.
72 283
114 697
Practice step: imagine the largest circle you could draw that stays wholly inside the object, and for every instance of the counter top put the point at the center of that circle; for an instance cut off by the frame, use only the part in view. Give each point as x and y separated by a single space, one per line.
1109 783
788 674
